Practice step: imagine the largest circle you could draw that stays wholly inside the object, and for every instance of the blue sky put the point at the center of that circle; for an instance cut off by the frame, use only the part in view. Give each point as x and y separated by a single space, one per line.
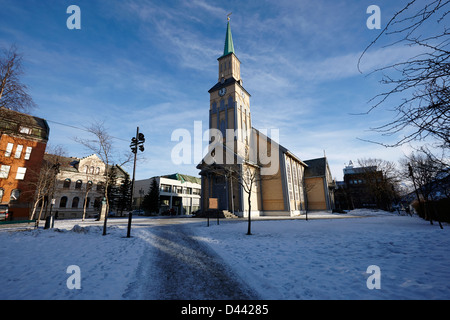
151 63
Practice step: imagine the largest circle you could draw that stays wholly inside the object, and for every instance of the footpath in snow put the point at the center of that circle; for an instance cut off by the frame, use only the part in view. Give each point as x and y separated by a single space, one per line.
284 259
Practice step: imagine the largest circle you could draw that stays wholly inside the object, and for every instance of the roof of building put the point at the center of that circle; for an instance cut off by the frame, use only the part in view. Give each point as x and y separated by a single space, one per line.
12 122
183 178
316 167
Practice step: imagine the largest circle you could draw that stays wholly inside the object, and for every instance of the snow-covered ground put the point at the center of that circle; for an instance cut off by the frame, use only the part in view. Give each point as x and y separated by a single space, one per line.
283 259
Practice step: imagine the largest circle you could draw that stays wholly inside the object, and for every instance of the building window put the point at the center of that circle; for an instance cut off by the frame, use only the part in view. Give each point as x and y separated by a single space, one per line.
63 202
78 184
165 188
85 169
15 195
177 189
28 153
75 202
18 151
8 151
66 184
25 130
97 170
4 171
21 173
100 186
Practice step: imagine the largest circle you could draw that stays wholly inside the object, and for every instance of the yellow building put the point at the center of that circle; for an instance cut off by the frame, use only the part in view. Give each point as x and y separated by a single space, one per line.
319 185
245 170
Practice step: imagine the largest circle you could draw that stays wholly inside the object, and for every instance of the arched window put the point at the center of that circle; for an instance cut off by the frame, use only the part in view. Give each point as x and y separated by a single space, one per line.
78 184
100 186
97 170
67 183
63 202
89 185
85 169
75 202
91 170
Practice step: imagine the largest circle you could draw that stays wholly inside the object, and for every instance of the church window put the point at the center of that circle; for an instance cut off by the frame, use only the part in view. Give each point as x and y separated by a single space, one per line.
230 102
288 176
300 181
78 184
295 181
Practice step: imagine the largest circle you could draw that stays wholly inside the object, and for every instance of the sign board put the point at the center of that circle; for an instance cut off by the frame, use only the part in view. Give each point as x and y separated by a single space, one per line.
213 203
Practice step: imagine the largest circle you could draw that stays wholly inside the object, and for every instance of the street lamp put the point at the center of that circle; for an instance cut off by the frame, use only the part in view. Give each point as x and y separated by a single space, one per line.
136 142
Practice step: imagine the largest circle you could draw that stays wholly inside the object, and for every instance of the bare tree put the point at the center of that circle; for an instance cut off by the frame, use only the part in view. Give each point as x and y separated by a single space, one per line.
422 81
247 175
381 180
100 144
45 183
248 179
422 171
13 93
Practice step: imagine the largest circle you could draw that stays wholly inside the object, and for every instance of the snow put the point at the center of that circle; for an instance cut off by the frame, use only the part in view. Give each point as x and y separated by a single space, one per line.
322 258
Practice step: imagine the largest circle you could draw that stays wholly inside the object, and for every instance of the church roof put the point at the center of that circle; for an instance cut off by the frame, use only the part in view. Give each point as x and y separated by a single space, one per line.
316 167
227 82
229 47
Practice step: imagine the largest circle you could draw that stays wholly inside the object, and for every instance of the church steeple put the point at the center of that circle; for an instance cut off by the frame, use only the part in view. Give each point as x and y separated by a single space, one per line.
229 47
229 64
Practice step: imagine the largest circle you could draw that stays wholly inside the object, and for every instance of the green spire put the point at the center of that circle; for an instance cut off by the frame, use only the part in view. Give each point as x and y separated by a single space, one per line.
229 47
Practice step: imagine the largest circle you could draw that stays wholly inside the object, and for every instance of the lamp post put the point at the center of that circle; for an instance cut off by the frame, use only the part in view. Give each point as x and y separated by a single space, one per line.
136 142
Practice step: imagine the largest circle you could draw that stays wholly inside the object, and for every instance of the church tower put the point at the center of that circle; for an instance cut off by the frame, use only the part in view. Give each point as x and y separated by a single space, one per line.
229 101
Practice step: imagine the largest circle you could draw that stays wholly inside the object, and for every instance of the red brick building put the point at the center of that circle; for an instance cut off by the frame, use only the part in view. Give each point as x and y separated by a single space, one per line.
22 146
